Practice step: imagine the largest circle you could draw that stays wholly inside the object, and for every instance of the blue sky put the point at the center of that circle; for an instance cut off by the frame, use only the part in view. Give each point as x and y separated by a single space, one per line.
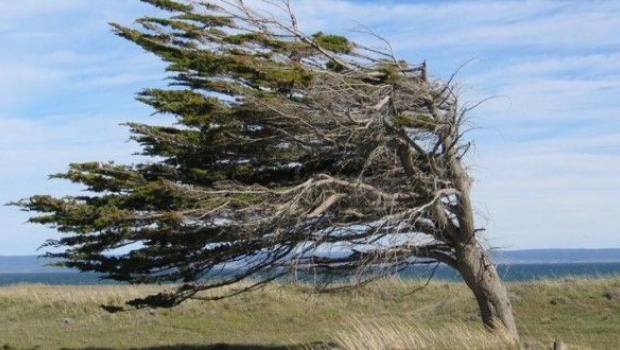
547 153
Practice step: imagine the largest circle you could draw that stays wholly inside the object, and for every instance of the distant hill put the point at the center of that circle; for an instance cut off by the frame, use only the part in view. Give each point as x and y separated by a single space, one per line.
33 264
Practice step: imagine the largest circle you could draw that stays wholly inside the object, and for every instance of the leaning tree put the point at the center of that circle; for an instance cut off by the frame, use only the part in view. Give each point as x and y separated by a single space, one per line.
290 152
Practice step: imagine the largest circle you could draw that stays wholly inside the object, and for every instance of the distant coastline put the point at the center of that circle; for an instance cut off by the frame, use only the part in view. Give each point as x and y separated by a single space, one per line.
556 256
33 264
516 265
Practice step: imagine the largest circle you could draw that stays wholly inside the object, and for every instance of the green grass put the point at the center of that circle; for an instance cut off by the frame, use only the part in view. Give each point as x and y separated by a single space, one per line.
584 313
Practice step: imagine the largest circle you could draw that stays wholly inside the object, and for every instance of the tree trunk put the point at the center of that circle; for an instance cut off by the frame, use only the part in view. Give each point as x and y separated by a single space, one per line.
481 277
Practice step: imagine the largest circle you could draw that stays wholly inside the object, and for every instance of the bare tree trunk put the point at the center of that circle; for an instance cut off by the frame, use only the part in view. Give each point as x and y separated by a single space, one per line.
475 264
481 276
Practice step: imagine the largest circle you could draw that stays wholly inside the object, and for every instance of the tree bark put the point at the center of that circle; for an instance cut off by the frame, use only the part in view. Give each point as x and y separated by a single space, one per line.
481 277
474 263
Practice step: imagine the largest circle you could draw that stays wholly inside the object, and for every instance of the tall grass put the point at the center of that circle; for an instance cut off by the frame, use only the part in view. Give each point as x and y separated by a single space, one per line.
584 313
49 294
399 333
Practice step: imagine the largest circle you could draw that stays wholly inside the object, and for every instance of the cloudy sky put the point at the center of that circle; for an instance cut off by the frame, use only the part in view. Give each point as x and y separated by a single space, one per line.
547 153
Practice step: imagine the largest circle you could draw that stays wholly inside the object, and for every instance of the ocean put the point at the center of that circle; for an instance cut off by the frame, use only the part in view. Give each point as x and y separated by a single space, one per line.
509 272
517 272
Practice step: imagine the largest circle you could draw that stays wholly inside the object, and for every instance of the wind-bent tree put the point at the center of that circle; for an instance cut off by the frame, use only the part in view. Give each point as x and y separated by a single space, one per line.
290 152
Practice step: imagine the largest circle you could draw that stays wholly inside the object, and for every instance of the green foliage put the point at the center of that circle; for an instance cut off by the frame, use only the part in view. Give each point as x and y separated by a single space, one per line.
420 121
239 39
169 5
335 43
193 108
207 20
335 66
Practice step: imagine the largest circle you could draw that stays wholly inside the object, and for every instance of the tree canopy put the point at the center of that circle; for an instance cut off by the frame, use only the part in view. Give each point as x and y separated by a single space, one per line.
289 152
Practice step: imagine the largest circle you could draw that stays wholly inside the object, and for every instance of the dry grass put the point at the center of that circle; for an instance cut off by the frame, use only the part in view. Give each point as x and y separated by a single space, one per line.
50 294
399 333
583 313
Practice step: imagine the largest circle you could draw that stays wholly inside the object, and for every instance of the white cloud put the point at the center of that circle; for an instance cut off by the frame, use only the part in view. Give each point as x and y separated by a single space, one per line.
67 84
32 149
56 49
552 192
465 23
551 186
26 9
573 65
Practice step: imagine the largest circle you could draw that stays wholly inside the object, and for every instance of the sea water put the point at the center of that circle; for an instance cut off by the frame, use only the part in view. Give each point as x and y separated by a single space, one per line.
508 272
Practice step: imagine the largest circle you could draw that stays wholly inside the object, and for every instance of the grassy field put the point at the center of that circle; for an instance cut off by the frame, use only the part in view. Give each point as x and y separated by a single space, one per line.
585 314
